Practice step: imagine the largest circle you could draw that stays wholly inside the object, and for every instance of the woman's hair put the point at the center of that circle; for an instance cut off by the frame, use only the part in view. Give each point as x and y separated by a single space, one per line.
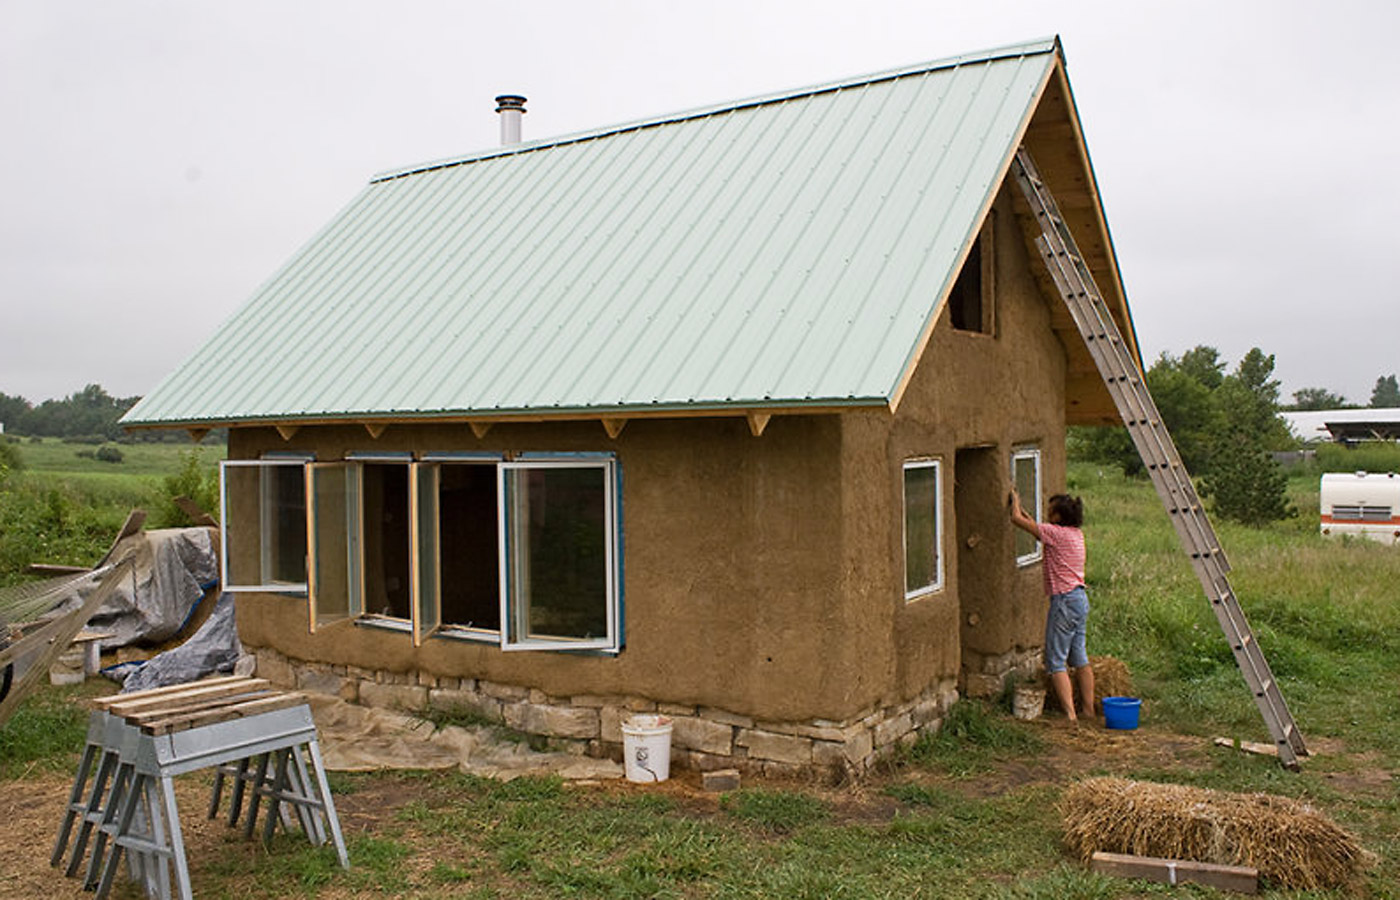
1069 510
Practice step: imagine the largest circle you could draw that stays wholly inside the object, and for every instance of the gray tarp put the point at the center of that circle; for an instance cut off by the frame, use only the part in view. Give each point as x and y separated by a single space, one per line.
173 568
214 648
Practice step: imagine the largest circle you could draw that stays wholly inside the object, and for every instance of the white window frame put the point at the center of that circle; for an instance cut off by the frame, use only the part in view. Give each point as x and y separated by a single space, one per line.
511 637
425 619
265 512
919 591
1033 504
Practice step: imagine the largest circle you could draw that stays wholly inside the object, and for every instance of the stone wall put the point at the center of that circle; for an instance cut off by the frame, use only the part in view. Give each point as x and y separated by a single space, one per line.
988 676
703 738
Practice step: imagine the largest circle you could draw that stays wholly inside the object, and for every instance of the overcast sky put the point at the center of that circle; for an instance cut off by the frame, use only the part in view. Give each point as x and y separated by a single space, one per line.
161 159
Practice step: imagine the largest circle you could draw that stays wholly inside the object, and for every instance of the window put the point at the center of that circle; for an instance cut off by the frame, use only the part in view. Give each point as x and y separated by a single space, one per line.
268 498
557 554
524 553
1025 474
970 302
923 528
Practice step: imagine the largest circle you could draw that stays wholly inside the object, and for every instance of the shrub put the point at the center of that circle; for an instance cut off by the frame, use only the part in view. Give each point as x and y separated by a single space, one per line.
108 454
195 480
1246 485
10 460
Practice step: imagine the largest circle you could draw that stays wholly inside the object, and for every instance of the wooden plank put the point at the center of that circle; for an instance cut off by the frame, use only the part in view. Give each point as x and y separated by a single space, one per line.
121 704
134 520
1247 746
175 708
57 635
104 702
197 514
224 714
54 569
1243 879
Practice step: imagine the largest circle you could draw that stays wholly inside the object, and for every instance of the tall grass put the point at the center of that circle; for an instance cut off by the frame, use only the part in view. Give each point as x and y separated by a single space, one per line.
1324 612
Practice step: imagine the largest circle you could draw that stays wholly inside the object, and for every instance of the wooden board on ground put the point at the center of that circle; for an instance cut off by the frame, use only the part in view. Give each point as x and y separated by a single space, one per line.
1243 879
1247 746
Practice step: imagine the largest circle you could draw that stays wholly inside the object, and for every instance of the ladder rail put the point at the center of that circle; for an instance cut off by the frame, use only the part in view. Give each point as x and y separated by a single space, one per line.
1131 397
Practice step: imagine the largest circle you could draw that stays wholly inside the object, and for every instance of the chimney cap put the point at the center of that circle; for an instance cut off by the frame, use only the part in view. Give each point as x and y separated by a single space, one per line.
506 102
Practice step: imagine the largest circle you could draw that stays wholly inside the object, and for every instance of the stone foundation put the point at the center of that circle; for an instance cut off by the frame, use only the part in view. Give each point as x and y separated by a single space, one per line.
988 676
702 738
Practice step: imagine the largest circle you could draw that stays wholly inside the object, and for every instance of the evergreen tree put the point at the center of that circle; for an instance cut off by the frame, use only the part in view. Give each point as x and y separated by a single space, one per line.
1311 398
1386 394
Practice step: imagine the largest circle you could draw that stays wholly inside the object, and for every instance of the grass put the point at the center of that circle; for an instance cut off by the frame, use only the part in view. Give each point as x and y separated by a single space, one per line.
64 508
943 820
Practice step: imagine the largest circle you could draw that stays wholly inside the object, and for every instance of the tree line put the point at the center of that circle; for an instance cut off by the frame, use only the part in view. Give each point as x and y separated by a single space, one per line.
1226 427
1385 395
90 415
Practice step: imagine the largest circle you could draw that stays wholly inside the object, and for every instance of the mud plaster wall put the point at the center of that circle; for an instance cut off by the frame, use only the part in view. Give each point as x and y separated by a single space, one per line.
764 575
994 392
731 569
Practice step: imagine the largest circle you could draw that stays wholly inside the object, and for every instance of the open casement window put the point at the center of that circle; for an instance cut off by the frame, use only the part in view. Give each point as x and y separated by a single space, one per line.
1025 474
558 554
457 545
336 591
923 528
264 524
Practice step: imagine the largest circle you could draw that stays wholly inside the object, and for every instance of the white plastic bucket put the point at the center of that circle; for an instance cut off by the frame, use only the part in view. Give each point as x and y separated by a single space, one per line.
1028 702
646 748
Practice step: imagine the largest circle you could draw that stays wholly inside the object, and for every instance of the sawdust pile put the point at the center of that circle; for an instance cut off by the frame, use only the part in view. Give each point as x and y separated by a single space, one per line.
1290 843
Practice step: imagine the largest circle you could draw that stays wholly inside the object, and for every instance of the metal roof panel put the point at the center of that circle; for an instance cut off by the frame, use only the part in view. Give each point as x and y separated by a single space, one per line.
787 250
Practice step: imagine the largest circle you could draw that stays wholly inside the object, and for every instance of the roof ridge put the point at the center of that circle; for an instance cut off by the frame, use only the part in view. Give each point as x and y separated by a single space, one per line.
1028 48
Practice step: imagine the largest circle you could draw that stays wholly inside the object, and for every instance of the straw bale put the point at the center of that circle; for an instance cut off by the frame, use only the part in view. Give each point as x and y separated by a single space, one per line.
1292 844
1111 679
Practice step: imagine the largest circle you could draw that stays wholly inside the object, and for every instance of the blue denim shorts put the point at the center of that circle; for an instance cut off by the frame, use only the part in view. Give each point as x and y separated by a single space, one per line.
1064 631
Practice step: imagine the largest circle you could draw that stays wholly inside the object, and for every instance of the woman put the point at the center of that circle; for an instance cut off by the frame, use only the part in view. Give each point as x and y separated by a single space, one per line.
1063 564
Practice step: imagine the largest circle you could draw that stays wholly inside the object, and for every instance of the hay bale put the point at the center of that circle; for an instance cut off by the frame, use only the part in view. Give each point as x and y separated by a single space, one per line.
1290 843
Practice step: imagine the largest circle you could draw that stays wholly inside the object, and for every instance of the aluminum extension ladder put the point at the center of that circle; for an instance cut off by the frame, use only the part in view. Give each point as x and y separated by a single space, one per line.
1139 413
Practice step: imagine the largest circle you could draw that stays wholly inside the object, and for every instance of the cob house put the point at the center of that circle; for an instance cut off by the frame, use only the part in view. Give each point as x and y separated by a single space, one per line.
713 414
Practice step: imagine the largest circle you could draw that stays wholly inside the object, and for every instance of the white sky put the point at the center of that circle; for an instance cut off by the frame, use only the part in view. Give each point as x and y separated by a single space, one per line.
162 158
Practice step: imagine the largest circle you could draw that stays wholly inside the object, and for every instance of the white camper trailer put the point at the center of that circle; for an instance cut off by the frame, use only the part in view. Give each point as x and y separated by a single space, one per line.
1365 504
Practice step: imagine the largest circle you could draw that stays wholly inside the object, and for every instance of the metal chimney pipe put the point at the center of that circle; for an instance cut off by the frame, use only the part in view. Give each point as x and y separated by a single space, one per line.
511 107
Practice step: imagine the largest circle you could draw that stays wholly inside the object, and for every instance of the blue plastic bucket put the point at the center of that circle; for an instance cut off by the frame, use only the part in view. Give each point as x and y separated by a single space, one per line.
1121 712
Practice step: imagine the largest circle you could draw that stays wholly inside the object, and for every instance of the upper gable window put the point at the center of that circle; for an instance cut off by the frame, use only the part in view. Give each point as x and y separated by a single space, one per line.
970 306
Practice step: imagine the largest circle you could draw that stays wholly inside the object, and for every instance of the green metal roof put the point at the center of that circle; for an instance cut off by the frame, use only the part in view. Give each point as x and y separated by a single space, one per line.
781 251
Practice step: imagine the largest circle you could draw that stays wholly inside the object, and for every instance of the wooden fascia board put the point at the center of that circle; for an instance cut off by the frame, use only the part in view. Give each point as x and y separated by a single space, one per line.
755 418
926 335
1096 199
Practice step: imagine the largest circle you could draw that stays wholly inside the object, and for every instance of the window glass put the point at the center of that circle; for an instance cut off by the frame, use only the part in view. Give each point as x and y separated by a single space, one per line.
334 559
923 564
559 559
264 524
1025 474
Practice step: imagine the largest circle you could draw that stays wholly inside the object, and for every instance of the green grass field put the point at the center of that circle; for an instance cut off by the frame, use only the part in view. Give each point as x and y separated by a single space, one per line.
64 505
969 813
